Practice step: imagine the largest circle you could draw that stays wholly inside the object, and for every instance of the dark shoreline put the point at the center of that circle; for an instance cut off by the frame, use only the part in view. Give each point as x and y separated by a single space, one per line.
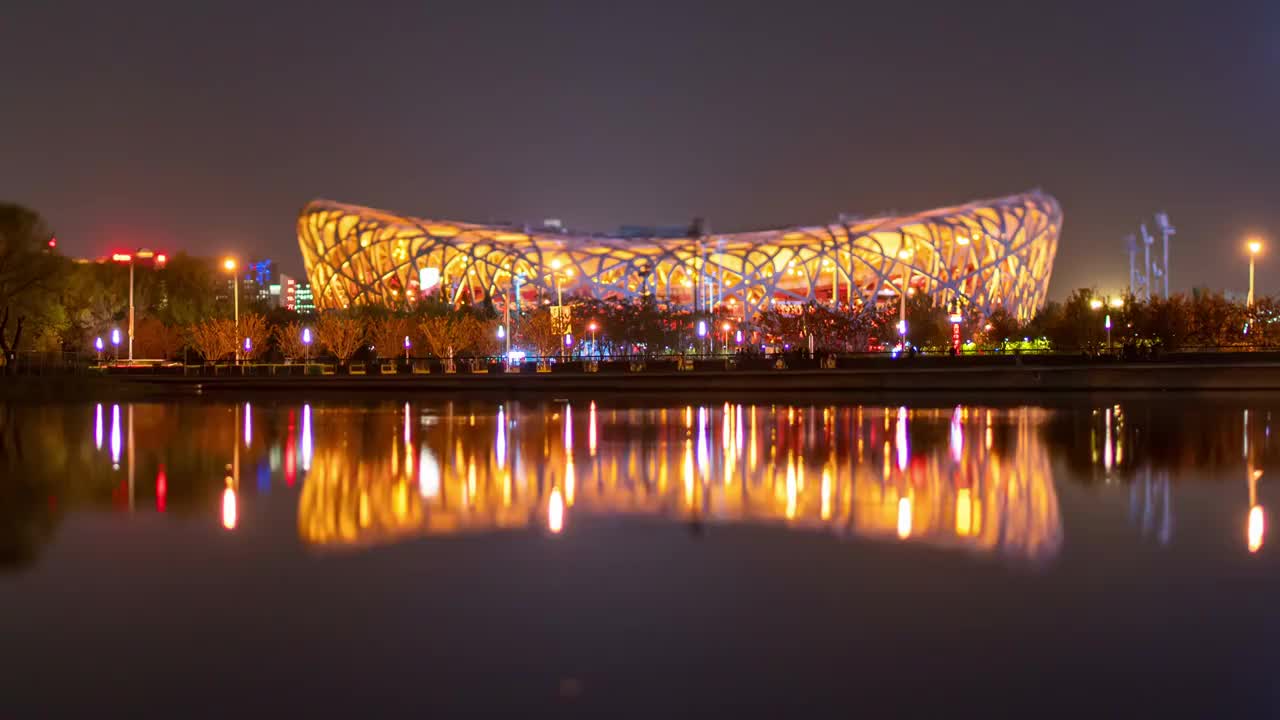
1005 382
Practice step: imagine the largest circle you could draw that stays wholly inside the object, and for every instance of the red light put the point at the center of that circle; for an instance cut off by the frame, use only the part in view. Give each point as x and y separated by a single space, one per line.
161 259
162 489
53 242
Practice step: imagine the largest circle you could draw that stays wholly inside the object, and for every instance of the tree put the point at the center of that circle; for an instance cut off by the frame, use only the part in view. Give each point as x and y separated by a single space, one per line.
214 338
154 339
254 327
341 334
448 335
540 332
1001 326
289 339
29 275
388 334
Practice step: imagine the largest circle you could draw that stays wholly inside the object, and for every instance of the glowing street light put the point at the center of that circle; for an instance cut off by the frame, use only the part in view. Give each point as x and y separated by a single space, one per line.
1116 302
97 345
306 345
1254 246
406 348
115 342
1107 324
1096 304
230 266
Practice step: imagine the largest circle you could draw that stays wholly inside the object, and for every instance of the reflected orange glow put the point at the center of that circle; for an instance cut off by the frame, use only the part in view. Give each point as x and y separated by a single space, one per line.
229 510
904 518
1257 528
555 512
352 498
964 512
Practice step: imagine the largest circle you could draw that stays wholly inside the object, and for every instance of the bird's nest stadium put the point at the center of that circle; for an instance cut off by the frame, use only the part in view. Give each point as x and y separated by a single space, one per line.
986 254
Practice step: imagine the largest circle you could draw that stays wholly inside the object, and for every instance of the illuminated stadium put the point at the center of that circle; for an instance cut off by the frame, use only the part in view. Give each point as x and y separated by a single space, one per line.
988 254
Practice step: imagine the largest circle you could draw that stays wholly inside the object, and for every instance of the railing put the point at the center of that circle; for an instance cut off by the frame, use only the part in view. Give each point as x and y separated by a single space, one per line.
73 364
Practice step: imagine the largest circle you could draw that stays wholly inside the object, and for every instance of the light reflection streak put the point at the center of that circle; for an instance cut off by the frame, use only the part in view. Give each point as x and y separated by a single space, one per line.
591 429
956 435
248 425
306 438
97 427
230 513
115 435
568 428
904 517
901 440
555 512
500 438
1257 528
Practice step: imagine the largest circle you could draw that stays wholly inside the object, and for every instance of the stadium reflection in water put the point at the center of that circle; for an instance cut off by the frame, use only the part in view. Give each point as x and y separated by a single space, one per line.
975 480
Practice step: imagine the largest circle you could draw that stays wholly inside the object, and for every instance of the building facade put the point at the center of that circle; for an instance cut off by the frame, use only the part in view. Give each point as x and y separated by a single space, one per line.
987 254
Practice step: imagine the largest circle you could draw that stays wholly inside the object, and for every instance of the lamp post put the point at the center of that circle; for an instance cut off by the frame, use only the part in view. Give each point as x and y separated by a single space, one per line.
1107 324
406 349
592 327
1254 246
702 331
230 266
724 328
97 345
306 345
115 343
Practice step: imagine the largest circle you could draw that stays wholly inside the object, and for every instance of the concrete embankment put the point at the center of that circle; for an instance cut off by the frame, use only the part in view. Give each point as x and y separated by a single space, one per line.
1004 379
1087 378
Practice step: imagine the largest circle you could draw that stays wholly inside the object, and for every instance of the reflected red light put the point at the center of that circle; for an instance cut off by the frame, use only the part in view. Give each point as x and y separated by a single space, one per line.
290 455
162 489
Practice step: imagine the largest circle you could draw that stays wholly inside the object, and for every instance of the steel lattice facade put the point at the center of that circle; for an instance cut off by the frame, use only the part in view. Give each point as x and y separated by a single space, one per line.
989 254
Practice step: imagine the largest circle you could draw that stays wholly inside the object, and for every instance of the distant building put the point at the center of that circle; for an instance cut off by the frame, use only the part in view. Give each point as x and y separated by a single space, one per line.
304 302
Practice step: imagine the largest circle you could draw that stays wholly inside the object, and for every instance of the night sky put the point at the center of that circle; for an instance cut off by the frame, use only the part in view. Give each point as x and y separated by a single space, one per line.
156 123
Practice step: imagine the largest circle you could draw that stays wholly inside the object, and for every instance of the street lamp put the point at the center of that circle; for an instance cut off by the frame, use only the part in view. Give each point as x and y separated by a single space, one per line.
97 345
593 327
230 266
724 328
406 349
306 345
1107 324
1095 304
1254 245
115 342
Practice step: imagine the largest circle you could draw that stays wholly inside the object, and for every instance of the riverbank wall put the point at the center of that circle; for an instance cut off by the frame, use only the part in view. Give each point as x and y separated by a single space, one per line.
1008 380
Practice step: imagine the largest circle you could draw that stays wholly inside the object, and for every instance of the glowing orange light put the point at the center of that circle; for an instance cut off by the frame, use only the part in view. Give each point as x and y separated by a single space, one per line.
1257 528
555 511
229 512
904 518
964 512
229 265
161 259
122 257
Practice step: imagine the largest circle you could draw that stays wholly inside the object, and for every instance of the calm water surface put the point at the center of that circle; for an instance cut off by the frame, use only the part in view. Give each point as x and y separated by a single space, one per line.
431 558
